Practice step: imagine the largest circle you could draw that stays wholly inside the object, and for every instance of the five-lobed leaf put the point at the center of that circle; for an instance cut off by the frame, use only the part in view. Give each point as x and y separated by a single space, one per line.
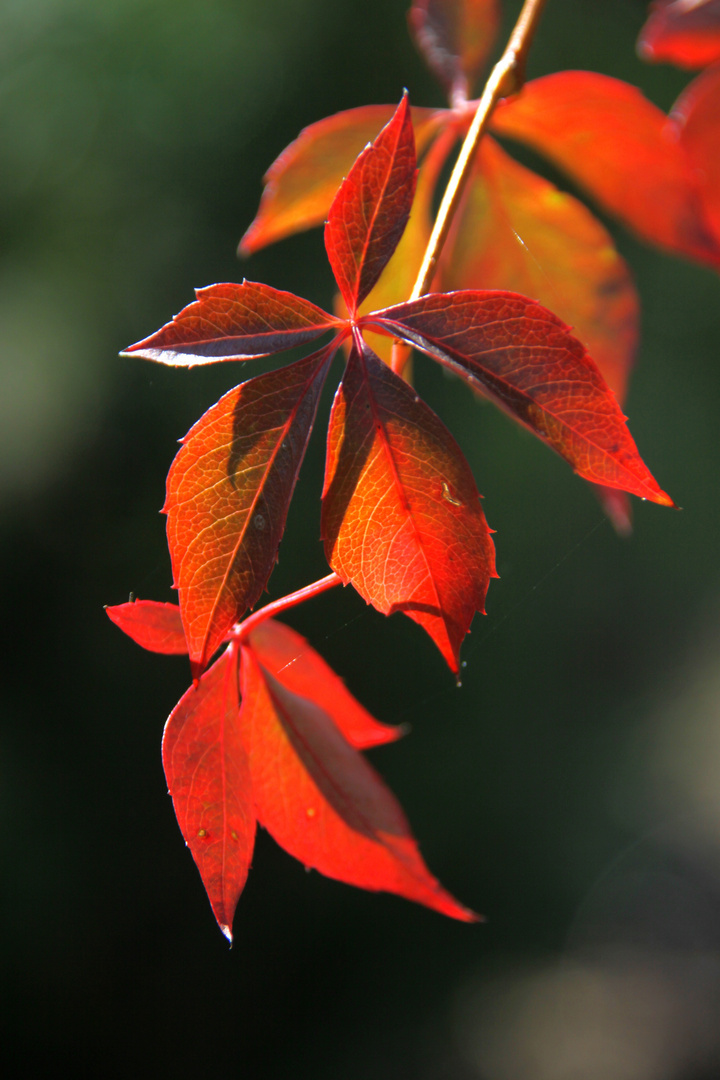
208 777
525 358
322 802
235 322
401 516
371 208
228 492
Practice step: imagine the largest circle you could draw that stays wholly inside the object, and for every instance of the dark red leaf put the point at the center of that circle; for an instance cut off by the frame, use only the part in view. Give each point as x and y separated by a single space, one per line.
294 663
322 802
682 32
157 627
301 184
371 208
621 149
696 117
234 322
401 514
228 492
207 775
527 361
455 37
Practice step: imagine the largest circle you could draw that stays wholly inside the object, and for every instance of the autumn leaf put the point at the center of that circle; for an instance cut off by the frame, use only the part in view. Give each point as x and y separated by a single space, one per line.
228 492
371 208
322 802
401 516
301 184
157 627
293 662
517 232
234 322
455 37
526 360
682 32
207 773
696 118
620 148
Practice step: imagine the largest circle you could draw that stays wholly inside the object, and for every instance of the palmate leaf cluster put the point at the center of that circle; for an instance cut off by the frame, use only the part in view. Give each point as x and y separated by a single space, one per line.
268 733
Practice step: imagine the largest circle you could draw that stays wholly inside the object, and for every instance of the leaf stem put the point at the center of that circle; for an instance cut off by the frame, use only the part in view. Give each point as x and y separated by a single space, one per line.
507 77
241 631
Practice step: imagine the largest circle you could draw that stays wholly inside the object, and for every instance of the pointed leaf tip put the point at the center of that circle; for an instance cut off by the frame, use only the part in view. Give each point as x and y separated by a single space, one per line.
371 208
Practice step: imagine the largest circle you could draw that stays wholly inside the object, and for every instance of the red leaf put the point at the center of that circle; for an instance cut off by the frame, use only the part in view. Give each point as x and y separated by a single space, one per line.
228 492
682 32
401 514
620 148
302 182
455 37
207 774
157 627
696 116
526 360
372 206
295 664
234 322
322 802
517 232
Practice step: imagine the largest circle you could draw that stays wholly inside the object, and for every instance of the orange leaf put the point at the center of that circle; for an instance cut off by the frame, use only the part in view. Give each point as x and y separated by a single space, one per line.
294 663
322 802
157 627
682 32
455 37
301 183
696 116
517 232
228 492
401 514
526 360
620 148
207 775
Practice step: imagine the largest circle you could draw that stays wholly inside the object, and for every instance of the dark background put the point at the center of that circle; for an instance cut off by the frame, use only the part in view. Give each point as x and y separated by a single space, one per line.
569 790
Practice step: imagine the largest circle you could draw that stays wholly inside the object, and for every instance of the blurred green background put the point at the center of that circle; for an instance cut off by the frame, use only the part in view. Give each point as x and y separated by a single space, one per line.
569 790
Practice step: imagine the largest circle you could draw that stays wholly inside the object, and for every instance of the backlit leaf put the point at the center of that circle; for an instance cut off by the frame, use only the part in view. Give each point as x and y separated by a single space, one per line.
157 627
207 774
322 802
228 492
291 659
517 232
620 148
301 184
455 37
526 360
371 208
401 515
682 32
234 322
696 116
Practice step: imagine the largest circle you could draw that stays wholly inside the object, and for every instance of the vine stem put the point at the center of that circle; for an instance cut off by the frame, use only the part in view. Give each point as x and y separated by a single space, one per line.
507 77
241 631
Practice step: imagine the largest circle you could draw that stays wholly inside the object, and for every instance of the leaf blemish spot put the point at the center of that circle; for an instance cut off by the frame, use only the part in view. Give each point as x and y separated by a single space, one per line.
259 522
310 811
202 833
